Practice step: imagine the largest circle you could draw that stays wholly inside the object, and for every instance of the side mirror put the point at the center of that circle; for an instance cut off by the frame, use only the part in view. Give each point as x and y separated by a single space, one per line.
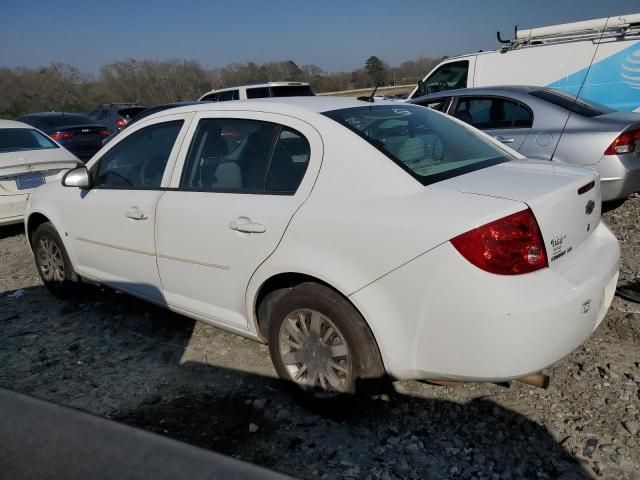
422 90
77 177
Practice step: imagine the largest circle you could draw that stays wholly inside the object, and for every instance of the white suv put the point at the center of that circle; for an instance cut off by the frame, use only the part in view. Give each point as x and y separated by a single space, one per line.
263 90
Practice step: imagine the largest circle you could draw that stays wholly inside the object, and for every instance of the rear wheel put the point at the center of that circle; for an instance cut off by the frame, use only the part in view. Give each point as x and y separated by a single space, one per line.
320 343
52 260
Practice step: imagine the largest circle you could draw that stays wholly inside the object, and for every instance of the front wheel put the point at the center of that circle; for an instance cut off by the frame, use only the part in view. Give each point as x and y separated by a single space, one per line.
52 260
320 342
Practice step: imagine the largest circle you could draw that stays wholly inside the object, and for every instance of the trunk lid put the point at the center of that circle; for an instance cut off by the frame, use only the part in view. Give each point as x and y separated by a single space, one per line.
566 217
46 162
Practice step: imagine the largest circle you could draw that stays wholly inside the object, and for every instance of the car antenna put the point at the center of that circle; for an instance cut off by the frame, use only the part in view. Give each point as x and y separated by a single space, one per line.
369 98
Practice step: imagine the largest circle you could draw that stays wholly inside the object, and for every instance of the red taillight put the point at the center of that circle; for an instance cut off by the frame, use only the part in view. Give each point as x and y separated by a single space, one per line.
61 135
510 246
121 122
104 132
625 143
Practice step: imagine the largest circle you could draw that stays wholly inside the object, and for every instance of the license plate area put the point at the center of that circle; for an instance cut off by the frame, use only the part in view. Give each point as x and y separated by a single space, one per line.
29 181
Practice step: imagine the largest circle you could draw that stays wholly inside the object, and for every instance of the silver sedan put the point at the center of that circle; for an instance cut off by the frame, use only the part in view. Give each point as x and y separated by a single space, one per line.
543 123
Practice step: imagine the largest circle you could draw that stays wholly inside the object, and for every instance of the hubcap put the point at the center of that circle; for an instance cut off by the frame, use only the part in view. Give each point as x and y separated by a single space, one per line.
314 352
50 260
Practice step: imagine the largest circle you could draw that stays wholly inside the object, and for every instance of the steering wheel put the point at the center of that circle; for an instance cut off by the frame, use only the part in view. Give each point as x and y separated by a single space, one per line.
442 85
151 171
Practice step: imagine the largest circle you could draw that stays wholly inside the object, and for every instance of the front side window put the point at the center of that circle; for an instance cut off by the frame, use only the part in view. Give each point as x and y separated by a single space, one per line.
426 144
438 104
22 139
211 98
447 77
140 159
488 113
245 156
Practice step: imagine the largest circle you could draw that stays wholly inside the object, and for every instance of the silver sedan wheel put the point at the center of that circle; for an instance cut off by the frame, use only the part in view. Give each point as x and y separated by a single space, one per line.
315 353
50 260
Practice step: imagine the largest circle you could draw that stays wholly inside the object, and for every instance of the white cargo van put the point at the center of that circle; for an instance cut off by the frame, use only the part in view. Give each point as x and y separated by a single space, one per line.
598 60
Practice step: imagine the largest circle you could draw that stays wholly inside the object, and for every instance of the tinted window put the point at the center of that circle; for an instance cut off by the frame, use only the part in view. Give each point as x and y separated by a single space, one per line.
262 92
52 121
228 95
211 98
447 77
236 155
130 112
140 159
103 114
579 106
426 144
292 91
20 139
488 113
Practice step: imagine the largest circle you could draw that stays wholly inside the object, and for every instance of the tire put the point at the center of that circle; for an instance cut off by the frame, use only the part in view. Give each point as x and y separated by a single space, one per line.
52 261
320 343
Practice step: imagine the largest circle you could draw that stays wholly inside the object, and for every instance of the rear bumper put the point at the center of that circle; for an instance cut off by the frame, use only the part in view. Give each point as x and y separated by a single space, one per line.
619 175
12 208
439 317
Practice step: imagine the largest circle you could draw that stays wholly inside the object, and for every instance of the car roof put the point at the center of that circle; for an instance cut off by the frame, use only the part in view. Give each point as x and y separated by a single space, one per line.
319 104
13 124
260 85
493 90
52 114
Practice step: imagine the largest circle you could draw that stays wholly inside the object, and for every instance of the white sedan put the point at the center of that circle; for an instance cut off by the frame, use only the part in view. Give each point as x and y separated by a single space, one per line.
357 239
28 158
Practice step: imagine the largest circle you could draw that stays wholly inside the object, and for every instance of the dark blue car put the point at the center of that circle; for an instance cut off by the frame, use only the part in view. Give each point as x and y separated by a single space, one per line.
77 133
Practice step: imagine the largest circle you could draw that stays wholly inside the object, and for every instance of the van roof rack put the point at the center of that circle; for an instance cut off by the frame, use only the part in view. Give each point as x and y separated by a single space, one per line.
599 27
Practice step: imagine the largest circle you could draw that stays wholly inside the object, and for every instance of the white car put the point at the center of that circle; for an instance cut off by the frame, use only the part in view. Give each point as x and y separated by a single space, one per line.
261 90
356 239
28 158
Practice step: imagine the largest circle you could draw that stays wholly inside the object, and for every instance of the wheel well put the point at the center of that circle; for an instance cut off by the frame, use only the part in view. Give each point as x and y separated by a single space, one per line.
35 220
272 290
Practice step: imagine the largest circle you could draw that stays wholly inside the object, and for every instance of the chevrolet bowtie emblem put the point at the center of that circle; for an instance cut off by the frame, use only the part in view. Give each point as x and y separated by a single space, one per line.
588 208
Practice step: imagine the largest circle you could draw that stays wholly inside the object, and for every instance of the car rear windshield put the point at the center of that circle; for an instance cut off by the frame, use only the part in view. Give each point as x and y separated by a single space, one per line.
52 121
130 112
21 139
427 144
292 91
575 105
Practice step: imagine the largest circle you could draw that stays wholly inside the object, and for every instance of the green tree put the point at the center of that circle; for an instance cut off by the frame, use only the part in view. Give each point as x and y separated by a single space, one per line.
376 70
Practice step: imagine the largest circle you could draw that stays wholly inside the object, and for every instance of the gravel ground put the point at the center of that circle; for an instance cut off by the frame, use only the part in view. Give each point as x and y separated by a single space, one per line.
118 357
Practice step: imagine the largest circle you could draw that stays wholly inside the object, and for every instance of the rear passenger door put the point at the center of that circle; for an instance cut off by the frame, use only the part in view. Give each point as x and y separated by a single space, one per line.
237 184
506 120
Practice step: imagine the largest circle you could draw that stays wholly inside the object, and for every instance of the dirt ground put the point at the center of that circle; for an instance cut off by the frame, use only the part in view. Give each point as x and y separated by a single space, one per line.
115 356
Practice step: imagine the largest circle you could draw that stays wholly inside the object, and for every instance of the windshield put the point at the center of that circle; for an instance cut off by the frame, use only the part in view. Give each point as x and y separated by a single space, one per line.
427 144
21 139
571 103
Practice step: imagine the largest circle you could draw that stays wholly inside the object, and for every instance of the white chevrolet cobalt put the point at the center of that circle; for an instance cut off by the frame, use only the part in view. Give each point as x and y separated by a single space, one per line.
357 239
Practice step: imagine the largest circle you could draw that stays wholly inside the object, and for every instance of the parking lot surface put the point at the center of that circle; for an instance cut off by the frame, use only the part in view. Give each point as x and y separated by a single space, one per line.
113 355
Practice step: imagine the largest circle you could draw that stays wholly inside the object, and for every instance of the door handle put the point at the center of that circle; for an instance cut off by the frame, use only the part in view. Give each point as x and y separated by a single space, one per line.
504 140
247 227
134 213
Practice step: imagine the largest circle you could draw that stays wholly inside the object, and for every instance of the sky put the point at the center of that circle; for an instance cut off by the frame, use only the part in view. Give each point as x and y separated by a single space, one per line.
335 35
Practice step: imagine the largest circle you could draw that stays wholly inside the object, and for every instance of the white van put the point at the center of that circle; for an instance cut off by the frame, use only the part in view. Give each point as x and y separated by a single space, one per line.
262 90
598 60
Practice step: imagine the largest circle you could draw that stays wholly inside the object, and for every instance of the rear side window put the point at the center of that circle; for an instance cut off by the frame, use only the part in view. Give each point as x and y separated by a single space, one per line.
568 102
426 144
139 160
22 139
488 113
245 156
292 91
131 112
228 95
260 92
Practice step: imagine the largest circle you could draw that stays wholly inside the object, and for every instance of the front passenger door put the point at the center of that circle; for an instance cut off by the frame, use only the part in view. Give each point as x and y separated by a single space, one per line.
112 224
